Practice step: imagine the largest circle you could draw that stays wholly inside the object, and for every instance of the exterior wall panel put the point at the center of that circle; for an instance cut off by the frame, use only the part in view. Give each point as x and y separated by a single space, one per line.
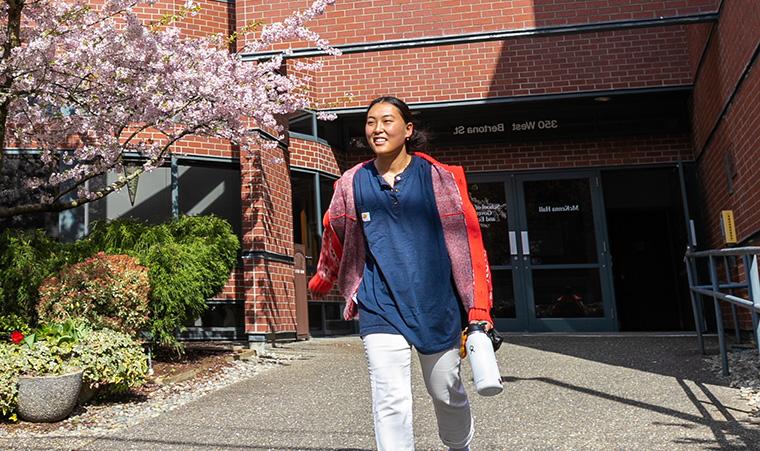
377 20
521 67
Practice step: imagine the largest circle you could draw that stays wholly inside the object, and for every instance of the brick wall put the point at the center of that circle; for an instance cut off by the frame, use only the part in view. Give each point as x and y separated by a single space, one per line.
733 42
571 153
214 16
543 65
314 155
728 147
234 289
736 137
267 227
269 297
736 140
377 20
206 146
696 39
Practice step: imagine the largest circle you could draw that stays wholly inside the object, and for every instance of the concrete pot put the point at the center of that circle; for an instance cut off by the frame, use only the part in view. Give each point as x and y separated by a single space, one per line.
48 398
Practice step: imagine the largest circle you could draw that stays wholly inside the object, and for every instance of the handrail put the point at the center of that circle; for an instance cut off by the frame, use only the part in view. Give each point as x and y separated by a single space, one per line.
714 289
735 251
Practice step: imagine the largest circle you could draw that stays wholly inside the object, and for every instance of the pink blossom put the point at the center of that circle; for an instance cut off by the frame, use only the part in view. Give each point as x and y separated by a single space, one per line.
88 80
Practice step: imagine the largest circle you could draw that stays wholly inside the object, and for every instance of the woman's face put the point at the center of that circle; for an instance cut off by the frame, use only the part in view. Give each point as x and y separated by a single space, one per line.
386 130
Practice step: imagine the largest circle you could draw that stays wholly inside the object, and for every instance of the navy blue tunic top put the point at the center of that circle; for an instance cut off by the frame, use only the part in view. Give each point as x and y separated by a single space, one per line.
407 286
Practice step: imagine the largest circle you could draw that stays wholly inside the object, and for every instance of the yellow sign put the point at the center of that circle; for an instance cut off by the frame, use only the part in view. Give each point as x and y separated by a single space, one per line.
728 226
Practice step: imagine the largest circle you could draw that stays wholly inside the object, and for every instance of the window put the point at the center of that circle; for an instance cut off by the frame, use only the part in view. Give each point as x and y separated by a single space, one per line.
153 199
202 188
309 206
211 189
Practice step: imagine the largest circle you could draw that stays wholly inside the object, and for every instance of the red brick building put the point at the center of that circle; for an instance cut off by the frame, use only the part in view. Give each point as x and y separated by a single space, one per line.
600 139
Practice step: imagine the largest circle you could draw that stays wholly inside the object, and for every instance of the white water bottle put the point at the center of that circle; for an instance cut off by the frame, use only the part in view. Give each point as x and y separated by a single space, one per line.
485 370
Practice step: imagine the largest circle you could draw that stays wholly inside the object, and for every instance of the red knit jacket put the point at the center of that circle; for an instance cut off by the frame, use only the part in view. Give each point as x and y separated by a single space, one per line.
342 257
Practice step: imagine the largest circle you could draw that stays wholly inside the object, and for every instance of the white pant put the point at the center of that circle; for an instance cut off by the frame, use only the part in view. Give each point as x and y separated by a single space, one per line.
390 357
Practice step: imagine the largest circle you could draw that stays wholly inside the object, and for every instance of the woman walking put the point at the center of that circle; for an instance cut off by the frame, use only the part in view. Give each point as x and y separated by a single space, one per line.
402 241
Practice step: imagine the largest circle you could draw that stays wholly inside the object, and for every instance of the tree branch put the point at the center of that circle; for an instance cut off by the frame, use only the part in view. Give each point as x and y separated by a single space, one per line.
7 212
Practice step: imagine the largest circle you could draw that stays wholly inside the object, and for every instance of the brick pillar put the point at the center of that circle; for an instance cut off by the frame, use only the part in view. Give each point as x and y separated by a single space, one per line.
268 284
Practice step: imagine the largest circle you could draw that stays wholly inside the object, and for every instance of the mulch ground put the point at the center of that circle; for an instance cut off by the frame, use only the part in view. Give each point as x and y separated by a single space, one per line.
196 356
206 358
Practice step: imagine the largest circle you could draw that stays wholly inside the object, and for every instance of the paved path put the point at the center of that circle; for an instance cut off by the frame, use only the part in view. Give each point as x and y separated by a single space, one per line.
562 393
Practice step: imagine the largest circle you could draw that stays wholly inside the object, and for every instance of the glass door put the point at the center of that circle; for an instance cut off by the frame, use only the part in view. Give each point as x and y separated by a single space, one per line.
494 202
546 243
564 260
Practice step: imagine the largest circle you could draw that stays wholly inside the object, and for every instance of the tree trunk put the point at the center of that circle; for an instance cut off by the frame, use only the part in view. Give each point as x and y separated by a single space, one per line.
13 40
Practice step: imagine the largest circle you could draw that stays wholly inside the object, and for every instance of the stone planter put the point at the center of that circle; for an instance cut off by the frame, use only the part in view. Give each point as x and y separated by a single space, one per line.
48 398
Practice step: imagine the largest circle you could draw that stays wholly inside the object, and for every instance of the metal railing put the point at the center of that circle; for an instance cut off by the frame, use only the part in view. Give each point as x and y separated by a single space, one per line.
725 291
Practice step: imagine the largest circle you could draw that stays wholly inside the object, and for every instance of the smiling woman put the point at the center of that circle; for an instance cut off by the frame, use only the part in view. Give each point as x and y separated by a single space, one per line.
416 253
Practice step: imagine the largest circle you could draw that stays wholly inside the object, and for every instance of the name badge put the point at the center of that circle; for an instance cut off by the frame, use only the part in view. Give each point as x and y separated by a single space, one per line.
365 216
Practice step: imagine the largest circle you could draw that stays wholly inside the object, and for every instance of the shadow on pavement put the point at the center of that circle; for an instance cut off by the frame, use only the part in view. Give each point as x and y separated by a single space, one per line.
676 356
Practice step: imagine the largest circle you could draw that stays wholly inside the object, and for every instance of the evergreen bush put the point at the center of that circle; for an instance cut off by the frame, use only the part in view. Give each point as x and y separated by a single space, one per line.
111 360
26 258
188 261
105 290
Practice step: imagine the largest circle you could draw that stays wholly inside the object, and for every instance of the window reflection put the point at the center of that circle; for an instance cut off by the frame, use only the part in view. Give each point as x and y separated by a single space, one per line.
560 221
306 219
490 203
503 294
567 293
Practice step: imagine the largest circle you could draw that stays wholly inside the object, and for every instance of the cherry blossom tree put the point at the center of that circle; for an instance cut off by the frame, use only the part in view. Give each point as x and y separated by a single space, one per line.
82 86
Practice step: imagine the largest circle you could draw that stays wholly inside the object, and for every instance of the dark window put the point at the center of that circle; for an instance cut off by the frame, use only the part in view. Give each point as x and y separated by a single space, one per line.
307 223
211 190
153 198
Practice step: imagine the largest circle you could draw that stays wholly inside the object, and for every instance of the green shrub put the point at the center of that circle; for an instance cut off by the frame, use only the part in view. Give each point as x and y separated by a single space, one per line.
105 290
26 258
189 260
109 359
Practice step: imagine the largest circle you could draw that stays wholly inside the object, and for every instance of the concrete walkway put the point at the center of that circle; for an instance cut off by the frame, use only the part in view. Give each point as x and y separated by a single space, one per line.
562 393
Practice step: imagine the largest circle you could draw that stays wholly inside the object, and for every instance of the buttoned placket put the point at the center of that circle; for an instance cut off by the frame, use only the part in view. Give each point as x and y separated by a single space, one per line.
394 191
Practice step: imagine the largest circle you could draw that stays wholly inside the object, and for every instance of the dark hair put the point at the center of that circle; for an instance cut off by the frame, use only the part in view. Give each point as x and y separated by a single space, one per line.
418 140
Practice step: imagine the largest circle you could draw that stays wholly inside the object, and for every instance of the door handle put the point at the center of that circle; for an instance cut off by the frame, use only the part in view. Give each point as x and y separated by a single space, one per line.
525 242
512 242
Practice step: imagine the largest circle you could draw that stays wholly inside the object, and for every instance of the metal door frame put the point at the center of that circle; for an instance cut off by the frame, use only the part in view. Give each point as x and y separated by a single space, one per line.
522 273
520 322
604 324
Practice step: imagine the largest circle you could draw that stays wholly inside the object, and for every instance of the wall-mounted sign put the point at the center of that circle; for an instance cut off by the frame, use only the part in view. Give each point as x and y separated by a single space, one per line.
559 208
728 226
478 129
544 120
522 126
547 124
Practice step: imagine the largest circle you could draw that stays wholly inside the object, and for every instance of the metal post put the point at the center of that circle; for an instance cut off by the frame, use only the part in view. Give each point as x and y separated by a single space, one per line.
318 204
685 204
734 314
753 286
694 307
719 317
700 300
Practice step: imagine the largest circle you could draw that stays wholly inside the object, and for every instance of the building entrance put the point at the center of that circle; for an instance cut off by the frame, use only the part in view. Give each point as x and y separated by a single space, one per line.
547 246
